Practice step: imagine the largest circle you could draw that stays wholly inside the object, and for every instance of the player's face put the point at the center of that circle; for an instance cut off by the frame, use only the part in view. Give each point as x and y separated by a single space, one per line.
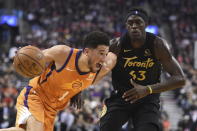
97 57
136 27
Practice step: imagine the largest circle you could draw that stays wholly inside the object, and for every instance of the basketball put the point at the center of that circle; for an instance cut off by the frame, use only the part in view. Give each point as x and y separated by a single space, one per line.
29 61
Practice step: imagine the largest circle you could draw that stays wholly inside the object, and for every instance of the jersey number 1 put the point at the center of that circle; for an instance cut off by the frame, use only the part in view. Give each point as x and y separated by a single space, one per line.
63 96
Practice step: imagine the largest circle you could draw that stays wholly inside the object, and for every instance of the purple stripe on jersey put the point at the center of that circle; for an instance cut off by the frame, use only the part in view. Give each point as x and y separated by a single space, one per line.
28 88
69 56
76 63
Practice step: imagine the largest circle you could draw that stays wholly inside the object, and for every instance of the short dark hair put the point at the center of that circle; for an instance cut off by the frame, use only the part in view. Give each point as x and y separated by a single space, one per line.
94 39
138 11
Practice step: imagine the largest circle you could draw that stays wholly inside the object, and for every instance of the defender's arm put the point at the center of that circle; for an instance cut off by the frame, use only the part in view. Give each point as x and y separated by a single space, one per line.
170 65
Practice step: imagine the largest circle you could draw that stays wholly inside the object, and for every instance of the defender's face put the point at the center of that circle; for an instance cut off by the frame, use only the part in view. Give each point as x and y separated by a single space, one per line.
96 57
136 27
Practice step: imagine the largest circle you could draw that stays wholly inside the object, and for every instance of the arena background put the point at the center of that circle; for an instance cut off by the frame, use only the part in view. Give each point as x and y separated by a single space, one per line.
45 23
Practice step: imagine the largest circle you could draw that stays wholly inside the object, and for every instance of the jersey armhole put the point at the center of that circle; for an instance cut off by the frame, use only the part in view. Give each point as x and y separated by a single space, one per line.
67 60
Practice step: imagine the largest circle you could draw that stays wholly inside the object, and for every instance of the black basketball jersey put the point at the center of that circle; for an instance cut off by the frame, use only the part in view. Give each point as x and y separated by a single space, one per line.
140 64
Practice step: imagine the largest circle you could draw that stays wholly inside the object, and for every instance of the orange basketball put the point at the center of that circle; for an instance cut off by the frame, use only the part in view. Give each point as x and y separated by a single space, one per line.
29 61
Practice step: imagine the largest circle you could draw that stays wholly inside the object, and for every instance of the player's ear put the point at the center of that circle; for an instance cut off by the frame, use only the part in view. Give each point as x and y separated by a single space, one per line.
126 26
86 51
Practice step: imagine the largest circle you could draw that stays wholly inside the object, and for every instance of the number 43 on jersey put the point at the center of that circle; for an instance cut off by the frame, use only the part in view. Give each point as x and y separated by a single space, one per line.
138 75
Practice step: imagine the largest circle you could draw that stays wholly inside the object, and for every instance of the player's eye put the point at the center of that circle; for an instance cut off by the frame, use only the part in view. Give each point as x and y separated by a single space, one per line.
130 23
102 53
138 22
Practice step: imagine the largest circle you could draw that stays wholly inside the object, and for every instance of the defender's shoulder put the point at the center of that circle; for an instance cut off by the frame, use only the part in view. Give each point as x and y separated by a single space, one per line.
161 43
162 48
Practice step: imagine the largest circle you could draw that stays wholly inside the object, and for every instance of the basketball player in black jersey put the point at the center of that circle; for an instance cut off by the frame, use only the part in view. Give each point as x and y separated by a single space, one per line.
136 60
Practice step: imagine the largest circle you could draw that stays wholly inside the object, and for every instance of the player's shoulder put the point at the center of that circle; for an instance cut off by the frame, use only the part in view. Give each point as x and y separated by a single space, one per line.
59 52
160 43
161 48
62 48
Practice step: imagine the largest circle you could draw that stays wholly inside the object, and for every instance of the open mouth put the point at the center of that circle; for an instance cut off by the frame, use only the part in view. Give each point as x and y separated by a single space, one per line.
98 65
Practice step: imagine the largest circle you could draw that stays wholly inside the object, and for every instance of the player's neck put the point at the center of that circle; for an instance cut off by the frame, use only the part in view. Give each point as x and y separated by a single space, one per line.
83 63
138 43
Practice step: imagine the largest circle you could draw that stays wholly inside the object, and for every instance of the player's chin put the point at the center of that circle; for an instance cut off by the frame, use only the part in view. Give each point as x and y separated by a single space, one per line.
136 36
96 67
95 70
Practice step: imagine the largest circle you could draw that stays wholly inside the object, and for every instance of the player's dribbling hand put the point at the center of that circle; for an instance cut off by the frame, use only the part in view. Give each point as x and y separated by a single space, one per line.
135 93
77 101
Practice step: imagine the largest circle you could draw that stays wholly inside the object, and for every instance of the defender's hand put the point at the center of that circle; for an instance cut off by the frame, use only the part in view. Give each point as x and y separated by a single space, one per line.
77 101
135 93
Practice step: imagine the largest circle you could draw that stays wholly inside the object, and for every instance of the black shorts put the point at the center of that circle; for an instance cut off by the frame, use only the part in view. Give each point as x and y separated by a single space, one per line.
144 114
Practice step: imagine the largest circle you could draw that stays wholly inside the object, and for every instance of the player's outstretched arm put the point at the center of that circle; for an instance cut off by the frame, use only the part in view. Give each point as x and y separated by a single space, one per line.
57 54
170 65
110 60
109 64
13 129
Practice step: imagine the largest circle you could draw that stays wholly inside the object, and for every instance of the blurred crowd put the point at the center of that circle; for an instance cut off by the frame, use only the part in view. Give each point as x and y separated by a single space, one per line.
49 22
180 16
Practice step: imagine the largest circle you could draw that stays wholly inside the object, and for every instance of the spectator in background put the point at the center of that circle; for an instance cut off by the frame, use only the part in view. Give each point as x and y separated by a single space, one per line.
66 119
